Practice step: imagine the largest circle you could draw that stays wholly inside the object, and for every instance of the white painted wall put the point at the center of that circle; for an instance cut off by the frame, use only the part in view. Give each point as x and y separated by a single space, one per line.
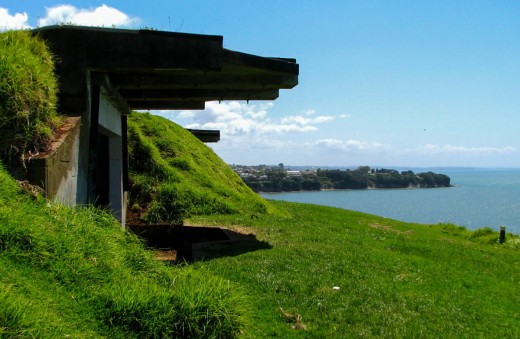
109 116
110 121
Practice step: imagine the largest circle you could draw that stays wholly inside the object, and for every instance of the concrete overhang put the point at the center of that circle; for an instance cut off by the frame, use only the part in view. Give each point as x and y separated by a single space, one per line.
206 135
147 69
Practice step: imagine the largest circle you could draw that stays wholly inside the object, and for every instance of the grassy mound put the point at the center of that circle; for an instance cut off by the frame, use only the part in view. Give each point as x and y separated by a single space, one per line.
75 272
28 95
174 175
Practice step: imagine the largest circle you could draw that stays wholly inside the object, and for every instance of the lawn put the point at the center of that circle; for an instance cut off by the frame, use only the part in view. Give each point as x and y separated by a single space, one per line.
335 273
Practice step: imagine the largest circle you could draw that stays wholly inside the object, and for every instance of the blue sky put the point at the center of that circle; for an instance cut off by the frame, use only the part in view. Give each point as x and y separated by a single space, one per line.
382 83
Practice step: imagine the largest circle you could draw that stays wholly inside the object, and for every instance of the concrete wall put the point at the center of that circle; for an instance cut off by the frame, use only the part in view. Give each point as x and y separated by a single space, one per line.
56 171
63 171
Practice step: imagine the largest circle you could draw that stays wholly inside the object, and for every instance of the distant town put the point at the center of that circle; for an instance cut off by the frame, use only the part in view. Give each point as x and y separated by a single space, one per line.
278 178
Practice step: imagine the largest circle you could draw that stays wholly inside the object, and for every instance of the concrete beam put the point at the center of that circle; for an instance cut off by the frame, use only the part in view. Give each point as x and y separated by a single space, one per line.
206 135
197 94
149 105
198 80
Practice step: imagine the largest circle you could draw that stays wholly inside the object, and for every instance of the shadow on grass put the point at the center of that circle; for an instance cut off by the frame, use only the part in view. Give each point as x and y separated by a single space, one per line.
193 243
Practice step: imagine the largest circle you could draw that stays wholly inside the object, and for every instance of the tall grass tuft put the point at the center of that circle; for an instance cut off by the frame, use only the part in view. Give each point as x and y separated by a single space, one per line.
28 95
12 314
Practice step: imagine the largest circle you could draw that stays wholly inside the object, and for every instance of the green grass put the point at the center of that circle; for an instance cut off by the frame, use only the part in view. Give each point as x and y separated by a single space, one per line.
75 271
396 279
174 175
28 96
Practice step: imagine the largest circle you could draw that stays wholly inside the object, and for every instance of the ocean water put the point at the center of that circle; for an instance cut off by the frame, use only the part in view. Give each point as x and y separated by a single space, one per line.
479 198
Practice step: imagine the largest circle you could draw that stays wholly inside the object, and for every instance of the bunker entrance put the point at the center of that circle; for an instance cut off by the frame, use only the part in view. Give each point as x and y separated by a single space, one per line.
177 239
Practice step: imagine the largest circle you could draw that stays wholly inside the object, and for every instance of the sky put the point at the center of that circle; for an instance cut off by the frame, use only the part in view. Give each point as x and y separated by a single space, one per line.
382 83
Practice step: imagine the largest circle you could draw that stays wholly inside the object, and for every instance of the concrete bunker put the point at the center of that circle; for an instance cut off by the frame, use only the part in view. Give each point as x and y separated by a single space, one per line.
105 73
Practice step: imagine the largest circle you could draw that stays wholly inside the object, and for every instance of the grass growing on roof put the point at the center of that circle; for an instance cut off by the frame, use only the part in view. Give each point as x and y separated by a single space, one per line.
28 95
75 272
174 175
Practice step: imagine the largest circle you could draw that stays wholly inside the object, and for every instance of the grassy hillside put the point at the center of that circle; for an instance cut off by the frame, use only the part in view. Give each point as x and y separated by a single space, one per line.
309 271
393 279
174 175
76 272
28 96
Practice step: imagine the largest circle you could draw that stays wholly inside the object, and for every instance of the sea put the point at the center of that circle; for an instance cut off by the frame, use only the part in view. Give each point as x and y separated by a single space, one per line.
479 198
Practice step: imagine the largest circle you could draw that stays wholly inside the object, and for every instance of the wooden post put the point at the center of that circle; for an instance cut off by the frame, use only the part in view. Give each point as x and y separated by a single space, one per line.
502 238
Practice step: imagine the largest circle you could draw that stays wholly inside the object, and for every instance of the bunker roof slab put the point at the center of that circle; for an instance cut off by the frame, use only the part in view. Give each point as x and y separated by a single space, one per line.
148 69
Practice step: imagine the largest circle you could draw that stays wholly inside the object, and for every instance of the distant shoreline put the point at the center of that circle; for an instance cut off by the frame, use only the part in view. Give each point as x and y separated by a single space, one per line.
267 179
357 189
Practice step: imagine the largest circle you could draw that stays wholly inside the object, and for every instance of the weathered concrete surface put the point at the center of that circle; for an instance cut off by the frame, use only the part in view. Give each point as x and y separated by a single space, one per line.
56 170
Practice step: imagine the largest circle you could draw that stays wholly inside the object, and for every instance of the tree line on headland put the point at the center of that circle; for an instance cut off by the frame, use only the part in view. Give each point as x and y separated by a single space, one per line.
277 179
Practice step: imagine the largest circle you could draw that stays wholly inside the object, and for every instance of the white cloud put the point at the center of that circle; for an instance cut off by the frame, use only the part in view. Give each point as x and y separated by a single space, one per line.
100 16
234 118
253 131
451 149
303 121
186 114
349 145
344 116
16 21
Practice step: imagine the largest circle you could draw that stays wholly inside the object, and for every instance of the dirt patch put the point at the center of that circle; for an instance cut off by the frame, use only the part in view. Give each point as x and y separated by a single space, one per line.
60 134
166 255
294 319
390 229
33 191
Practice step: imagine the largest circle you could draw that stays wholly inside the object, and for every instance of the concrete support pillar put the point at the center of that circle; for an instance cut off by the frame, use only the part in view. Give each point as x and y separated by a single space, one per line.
115 190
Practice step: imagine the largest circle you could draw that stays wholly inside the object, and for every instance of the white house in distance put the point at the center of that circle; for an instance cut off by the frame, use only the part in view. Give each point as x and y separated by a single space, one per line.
294 174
